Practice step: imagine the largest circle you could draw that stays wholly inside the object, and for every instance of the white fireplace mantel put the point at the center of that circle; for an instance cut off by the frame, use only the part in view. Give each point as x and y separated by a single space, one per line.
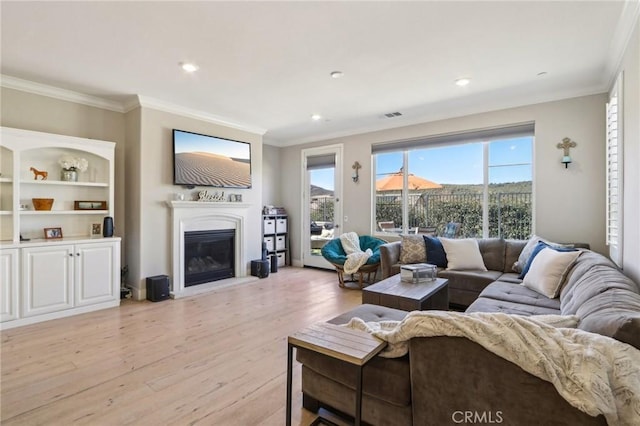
201 216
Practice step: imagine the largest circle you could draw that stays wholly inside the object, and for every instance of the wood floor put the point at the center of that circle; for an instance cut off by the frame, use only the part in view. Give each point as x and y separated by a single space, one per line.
212 359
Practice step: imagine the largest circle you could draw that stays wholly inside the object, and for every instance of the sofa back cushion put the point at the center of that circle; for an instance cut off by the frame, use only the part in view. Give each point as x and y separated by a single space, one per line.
607 301
435 251
492 250
413 249
512 251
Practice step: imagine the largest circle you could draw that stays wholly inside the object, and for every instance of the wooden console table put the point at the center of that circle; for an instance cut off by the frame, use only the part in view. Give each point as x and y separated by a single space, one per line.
345 344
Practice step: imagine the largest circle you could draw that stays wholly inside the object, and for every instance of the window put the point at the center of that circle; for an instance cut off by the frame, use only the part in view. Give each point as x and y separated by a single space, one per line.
482 180
614 173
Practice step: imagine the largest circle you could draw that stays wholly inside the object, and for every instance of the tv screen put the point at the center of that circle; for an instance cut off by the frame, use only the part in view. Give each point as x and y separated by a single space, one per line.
201 160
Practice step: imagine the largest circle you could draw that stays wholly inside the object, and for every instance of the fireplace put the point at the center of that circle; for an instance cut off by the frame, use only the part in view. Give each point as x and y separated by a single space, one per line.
208 256
196 216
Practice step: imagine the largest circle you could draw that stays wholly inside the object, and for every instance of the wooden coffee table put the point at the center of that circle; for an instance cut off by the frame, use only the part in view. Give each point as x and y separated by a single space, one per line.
394 293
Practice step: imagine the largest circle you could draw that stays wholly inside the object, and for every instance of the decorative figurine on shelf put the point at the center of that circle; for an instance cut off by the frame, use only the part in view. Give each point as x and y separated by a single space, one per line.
70 167
206 196
43 175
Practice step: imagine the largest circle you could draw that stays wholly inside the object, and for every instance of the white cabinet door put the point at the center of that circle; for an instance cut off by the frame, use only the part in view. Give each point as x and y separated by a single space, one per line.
96 273
47 274
8 284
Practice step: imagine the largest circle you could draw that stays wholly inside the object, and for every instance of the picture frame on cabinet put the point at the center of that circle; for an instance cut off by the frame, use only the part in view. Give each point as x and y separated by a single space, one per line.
52 233
95 230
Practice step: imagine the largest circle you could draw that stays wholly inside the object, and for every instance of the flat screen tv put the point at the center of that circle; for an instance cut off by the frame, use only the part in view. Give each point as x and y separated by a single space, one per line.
201 160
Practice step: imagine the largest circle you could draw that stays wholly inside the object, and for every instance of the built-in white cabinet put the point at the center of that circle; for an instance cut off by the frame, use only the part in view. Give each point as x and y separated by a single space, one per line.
96 273
30 167
47 279
9 284
62 277
71 268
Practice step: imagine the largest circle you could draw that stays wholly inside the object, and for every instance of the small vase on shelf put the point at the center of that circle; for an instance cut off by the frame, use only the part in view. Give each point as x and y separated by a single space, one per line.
69 175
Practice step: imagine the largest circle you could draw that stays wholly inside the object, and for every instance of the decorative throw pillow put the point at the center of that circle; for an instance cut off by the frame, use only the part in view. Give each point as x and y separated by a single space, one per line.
463 254
548 271
412 249
525 254
435 251
541 245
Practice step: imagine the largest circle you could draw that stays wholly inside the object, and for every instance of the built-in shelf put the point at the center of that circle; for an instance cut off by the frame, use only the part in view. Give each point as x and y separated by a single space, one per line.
6 180
54 212
6 212
64 183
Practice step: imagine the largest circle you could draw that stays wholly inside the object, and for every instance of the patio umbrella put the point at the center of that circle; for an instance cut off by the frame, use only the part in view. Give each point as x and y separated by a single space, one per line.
393 182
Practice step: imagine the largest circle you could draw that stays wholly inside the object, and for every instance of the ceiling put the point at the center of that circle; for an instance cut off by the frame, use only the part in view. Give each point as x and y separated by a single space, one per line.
266 65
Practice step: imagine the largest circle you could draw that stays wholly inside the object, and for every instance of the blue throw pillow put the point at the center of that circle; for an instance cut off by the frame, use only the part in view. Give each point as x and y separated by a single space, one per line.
537 249
435 251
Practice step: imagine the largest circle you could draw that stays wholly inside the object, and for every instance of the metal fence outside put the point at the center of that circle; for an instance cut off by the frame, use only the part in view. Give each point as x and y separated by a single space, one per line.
510 213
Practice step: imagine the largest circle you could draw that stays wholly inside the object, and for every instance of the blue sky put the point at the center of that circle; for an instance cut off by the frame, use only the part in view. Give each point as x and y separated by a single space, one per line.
191 142
459 164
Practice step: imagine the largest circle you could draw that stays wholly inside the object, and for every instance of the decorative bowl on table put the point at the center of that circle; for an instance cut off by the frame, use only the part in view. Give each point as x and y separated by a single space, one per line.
42 203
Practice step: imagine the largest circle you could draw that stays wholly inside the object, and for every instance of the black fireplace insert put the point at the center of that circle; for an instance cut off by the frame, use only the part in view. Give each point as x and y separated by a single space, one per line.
209 256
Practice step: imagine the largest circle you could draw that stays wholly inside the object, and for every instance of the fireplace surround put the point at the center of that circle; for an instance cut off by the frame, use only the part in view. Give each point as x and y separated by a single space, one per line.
194 216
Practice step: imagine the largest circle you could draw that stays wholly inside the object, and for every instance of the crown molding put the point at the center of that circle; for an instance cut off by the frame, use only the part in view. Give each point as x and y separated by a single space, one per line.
629 18
157 104
133 102
10 82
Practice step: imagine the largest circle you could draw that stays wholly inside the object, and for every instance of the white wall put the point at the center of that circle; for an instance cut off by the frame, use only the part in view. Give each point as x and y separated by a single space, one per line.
271 186
631 133
569 203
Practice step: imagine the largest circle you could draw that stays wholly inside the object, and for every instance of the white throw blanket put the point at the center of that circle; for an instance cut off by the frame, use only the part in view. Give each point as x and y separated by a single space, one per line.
594 373
355 256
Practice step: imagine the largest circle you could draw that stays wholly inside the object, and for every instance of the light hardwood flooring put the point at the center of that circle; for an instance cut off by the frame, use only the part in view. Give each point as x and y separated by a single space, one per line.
214 359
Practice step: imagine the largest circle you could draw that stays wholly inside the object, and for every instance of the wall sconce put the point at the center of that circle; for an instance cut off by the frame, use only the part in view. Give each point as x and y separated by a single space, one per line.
356 166
565 145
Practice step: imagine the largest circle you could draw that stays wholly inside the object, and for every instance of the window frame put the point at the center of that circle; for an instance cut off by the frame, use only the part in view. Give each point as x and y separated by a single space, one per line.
484 136
615 136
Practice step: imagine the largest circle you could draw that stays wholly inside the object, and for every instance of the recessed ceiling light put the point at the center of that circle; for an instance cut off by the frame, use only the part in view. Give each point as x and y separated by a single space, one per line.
463 81
189 67
336 74
316 117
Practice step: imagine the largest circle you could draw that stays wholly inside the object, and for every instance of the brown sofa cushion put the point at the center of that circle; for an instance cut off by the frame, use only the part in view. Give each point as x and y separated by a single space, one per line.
516 293
512 251
485 304
470 280
453 374
492 251
383 378
369 313
607 301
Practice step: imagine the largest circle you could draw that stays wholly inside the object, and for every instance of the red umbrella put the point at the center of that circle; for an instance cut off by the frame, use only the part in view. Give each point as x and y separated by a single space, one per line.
393 182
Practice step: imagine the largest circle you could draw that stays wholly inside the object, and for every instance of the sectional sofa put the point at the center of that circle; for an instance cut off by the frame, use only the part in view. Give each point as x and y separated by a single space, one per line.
445 376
